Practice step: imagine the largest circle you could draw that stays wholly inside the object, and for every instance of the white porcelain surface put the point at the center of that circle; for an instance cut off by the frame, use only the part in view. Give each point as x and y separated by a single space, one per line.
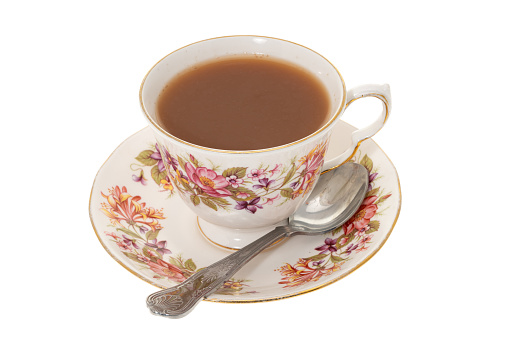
129 210
200 174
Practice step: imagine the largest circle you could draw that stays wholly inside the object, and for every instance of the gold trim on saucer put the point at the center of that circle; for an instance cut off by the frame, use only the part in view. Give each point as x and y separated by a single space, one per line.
165 133
245 300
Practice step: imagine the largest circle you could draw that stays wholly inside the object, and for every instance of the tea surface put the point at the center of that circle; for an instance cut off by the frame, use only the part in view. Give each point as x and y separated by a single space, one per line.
243 103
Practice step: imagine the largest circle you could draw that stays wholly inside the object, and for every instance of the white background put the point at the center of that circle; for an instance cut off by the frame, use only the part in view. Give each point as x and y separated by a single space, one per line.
69 79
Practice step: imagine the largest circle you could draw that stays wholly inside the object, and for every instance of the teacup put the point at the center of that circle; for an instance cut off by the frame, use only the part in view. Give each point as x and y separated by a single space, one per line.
240 195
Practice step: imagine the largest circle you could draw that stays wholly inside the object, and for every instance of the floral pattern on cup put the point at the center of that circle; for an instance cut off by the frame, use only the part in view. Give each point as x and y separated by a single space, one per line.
151 159
356 235
234 188
136 233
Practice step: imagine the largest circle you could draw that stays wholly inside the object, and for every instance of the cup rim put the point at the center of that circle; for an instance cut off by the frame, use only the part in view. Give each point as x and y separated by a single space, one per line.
155 125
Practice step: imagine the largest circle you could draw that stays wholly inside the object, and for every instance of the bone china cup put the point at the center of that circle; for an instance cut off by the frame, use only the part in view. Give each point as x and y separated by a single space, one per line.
240 195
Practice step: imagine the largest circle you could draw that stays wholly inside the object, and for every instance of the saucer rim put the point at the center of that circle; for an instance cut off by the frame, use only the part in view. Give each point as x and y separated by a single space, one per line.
247 301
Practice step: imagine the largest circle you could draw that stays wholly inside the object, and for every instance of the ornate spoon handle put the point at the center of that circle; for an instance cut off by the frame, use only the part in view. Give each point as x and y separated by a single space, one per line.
178 301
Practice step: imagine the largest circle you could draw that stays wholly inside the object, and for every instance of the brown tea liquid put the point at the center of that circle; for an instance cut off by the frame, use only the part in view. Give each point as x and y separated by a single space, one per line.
243 103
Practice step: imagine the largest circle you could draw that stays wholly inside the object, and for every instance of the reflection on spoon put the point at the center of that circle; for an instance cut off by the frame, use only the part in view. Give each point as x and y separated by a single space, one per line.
335 199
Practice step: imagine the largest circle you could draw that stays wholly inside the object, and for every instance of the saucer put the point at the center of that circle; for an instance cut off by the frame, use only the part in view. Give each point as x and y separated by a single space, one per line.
146 228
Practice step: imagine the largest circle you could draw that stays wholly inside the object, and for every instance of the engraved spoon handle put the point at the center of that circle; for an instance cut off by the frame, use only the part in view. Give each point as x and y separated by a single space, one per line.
178 301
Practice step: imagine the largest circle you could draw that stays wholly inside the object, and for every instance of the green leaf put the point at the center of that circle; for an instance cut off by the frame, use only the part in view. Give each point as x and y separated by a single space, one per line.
190 265
219 201
286 192
198 283
195 200
317 257
157 175
186 186
129 232
382 199
374 225
145 159
289 175
336 259
349 239
182 163
209 203
134 257
373 192
151 235
175 262
239 172
367 162
146 253
235 191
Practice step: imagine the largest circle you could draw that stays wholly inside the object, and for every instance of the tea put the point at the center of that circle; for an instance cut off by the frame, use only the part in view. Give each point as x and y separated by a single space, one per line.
243 103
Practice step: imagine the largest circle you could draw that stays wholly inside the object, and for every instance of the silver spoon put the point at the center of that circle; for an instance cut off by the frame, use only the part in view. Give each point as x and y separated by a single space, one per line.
335 199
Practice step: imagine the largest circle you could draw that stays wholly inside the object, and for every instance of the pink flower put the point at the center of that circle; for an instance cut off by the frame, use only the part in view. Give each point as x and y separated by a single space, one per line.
234 181
123 246
257 174
270 201
113 235
166 269
365 239
142 258
242 195
276 169
343 241
208 180
307 182
312 163
314 159
363 216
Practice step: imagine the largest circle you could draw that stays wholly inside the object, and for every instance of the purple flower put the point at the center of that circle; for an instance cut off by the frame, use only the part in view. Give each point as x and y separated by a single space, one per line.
160 246
157 156
234 181
371 178
130 242
143 230
329 246
140 178
264 183
350 249
293 185
250 206
318 263
172 161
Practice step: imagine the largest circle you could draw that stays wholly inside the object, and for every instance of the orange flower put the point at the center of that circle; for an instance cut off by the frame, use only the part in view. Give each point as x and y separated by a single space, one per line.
236 285
122 206
167 185
180 178
312 163
303 272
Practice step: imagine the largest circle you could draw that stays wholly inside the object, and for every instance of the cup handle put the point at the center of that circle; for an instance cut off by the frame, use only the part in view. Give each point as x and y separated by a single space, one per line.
382 92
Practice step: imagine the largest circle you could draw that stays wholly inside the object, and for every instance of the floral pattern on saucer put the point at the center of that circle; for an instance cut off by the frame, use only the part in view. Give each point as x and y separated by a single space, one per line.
136 231
354 236
240 188
162 246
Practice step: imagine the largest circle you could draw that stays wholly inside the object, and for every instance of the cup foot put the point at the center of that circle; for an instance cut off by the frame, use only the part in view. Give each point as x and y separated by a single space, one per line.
230 238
